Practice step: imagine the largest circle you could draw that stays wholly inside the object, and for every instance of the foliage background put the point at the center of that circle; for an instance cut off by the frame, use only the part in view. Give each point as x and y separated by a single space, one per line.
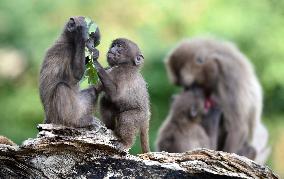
28 28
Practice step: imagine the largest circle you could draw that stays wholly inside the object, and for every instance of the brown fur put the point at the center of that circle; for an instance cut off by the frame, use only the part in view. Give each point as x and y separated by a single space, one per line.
184 127
221 69
6 141
62 69
124 106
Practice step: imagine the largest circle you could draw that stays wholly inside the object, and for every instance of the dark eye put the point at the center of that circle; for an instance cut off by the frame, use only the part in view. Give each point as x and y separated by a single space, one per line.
199 60
119 45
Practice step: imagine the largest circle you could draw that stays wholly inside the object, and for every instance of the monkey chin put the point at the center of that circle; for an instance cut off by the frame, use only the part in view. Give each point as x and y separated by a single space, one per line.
111 59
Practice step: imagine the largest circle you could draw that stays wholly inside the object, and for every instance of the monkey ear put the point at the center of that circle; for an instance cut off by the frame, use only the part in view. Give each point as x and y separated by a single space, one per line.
138 60
71 25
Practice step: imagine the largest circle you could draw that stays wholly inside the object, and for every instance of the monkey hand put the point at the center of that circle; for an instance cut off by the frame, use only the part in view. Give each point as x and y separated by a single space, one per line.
81 33
95 54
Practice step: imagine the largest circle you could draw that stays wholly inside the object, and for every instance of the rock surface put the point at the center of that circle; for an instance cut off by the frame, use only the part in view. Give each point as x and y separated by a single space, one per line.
62 152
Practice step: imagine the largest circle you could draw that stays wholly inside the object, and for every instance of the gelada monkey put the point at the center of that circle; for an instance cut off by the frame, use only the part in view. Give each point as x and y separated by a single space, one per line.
62 69
190 124
124 106
221 69
6 141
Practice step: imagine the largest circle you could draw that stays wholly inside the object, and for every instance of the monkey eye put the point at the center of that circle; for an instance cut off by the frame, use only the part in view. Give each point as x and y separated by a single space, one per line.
199 60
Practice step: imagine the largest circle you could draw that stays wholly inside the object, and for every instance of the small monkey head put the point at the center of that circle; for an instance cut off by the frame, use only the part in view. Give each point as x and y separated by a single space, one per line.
78 25
193 62
75 24
190 103
123 51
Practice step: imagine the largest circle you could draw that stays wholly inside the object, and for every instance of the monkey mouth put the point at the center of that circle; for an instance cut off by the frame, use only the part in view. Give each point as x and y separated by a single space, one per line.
209 101
110 55
111 58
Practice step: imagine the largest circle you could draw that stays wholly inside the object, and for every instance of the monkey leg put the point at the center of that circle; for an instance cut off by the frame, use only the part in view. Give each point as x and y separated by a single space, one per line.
108 114
78 61
211 123
90 94
236 137
144 137
64 106
88 121
88 99
126 128
247 151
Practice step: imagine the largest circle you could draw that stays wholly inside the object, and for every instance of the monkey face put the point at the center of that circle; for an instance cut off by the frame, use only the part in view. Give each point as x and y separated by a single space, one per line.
94 39
190 103
202 71
123 51
191 63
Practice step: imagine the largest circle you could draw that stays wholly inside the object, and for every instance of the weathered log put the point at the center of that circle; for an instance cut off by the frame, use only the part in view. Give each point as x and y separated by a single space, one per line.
62 152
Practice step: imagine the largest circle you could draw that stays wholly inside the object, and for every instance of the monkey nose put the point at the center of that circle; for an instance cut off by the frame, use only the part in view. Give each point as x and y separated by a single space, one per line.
112 50
110 55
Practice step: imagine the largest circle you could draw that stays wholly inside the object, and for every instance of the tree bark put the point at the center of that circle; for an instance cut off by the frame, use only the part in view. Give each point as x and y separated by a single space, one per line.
62 152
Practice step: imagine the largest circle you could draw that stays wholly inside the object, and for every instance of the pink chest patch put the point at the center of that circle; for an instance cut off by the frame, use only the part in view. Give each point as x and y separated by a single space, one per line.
208 103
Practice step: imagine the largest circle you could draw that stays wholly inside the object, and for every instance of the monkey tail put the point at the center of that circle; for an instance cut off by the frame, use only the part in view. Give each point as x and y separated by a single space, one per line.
144 137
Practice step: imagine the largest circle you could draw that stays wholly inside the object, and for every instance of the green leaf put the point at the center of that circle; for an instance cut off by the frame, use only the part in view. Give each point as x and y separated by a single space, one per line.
91 73
88 20
88 53
92 26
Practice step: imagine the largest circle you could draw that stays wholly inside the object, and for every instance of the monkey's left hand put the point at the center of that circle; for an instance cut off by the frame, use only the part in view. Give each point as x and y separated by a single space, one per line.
95 54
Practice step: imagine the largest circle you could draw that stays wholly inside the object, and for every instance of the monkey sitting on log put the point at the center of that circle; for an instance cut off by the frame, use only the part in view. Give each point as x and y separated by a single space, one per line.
124 106
191 124
6 141
222 70
62 69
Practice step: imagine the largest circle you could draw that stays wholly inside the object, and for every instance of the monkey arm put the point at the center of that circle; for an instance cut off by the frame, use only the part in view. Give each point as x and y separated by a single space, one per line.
236 136
108 85
211 123
78 61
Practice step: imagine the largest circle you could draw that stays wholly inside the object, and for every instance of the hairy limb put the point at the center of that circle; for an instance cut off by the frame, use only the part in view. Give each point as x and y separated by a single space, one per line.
108 85
144 137
108 113
247 151
126 129
211 123
236 136
78 61
63 105
91 92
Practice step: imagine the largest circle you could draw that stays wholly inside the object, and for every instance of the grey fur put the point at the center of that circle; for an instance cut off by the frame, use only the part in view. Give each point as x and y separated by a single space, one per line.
62 69
124 106
188 126
220 68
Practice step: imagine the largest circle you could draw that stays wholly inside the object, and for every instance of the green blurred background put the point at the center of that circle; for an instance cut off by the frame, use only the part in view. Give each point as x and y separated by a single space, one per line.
28 28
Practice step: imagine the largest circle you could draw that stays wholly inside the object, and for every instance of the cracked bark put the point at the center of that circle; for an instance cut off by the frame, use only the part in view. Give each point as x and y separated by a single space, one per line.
62 152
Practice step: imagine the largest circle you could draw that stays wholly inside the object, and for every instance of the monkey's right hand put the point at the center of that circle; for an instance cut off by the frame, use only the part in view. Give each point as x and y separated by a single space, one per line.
81 32
95 54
